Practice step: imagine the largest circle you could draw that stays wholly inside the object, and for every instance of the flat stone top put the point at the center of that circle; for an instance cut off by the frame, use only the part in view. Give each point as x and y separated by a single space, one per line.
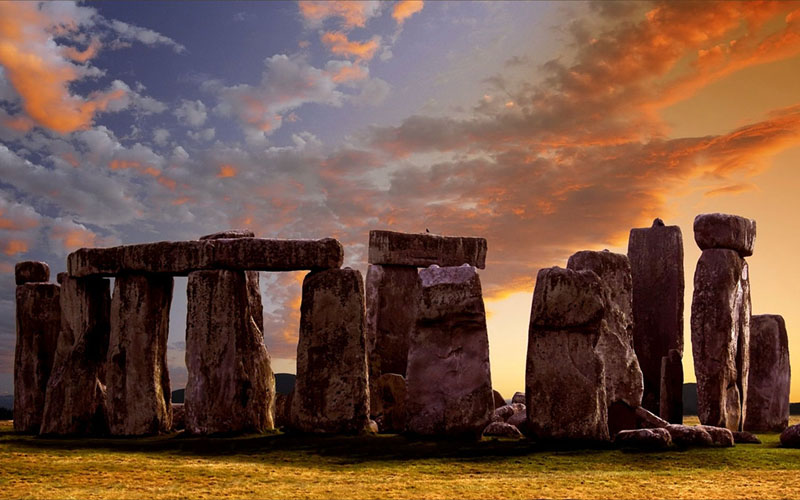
725 231
31 271
182 257
425 249
230 233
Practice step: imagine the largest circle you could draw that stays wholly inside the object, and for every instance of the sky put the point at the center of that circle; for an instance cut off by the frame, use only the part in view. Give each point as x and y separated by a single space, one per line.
546 128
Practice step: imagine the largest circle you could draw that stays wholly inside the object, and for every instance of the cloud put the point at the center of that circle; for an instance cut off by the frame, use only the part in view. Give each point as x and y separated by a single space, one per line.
161 136
350 14
338 43
130 33
192 113
406 8
732 189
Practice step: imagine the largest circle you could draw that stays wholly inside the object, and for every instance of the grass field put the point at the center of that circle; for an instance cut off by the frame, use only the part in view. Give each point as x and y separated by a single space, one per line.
286 466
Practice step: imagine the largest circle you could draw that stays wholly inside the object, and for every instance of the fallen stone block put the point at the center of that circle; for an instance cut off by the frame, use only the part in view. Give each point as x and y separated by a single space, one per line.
790 437
656 259
423 250
448 377
745 437
38 315
720 436
182 257
498 399
331 393
644 439
31 272
518 397
769 376
725 231
689 435
502 429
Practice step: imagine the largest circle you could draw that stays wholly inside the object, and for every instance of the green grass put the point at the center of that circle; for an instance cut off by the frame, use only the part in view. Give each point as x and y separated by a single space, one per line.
280 466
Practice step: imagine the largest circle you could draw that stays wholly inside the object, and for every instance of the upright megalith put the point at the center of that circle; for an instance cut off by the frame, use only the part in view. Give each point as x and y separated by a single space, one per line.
137 379
770 374
564 377
656 259
331 392
38 320
623 377
392 297
721 319
671 404
230 386
75 402
448 378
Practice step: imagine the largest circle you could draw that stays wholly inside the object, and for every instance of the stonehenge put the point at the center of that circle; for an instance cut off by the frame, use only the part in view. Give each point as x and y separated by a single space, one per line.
656 260
768 380
721 318
449 345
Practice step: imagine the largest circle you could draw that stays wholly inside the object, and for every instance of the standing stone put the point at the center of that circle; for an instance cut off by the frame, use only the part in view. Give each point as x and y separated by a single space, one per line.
331 393
671 407
656 260
137 379
564 376
720 337
388 403
392 294
76 395
230 387
31 271
448 377
768 383
623 377
498 399
38 324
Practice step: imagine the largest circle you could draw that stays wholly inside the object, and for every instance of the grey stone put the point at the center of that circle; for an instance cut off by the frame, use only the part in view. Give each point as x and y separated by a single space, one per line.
331 393
790 437
647 419
623 377
689 435
498 399
75 403
283 406
645 439
230 387
725 231
720 436
564 377
502 429
448 377
388 401
229 234
31 272
518 397
183 257
671 394
770 374
519 417
504 412
392 297
425 249
178 417
656 259
720 337
38 325
137 378
745 437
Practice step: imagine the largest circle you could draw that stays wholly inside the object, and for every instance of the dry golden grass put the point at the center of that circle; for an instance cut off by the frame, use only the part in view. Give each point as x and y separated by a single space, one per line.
284 466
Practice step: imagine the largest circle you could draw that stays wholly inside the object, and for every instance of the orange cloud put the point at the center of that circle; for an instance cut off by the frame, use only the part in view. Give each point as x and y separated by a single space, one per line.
74 237
41 76
226 171
19 223
349 73
338 43
82 56
352 13
13 247
405 9
732 189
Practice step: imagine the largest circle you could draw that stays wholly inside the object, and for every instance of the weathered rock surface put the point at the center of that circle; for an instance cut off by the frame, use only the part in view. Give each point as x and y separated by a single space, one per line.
38 325
31 271
423 250
388 402
671 394
564 377
644 439
720 436
498 399
745 437
229 234
725 231
518 397
448 377
182 257
178 417
76 395
331 393
689 435
623 377
392 296
504 412
137 379
646 419
768 382
283 407
656 259
519 417
502 429
720 337
790 437
230 387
